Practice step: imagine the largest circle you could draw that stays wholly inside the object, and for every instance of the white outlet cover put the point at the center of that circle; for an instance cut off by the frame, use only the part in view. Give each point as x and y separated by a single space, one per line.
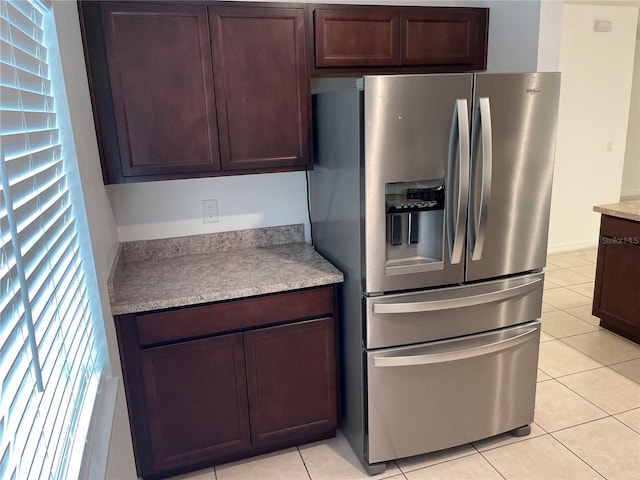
209 211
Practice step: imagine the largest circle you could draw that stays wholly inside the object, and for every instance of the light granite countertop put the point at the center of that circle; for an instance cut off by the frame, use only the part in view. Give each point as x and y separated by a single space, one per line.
629 210
157 274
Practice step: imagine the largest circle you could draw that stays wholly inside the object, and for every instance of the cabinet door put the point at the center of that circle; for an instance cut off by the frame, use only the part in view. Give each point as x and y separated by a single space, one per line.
159 59
196 399
291 380
444 36
357 37
262 87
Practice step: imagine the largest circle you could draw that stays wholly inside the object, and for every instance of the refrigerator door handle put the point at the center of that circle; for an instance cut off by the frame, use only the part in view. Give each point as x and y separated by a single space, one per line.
458 147
450 303
430 358
482 130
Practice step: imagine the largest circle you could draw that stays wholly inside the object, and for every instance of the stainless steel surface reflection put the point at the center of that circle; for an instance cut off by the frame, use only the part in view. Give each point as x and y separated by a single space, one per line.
431 193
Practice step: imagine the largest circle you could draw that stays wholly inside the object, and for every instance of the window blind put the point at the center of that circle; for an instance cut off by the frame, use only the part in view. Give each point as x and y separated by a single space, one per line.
49 355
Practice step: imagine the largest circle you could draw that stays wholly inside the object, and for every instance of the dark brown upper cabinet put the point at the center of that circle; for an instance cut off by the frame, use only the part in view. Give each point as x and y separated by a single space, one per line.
262 87
444 36
362 37
159 60
196 90
373 39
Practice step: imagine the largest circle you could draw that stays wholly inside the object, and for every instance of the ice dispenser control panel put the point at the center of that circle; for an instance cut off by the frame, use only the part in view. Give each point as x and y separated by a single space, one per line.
415 227
416 200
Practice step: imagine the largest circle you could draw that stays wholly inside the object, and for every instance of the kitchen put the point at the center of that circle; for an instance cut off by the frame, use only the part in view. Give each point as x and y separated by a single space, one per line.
134 212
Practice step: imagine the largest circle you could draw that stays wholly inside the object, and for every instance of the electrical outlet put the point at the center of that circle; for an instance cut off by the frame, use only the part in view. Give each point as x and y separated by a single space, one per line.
209 211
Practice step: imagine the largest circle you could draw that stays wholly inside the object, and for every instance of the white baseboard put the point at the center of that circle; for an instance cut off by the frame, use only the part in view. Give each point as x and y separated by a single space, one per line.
630 197
569 246
630 194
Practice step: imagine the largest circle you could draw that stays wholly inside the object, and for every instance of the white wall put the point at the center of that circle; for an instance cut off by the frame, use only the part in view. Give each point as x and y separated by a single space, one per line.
549 36
594 109
631 171
174 208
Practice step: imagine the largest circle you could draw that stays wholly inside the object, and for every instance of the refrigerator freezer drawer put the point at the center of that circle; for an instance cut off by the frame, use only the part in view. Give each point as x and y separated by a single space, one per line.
401 319
438 395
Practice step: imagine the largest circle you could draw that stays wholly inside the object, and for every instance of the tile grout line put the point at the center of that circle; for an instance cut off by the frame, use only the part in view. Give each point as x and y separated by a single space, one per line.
303 462
578 456
606 414
564 309
492 465
440 462
583 397
590 356
603 365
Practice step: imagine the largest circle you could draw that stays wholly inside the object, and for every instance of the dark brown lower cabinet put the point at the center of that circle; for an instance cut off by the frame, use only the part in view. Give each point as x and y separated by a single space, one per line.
291 381
208 391
616 299
189 388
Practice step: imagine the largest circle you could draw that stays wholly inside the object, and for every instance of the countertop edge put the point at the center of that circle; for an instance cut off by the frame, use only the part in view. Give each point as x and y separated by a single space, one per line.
114 276
620 210
143 307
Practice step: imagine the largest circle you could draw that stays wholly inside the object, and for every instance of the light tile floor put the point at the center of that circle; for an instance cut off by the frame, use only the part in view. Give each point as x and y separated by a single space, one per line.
587 419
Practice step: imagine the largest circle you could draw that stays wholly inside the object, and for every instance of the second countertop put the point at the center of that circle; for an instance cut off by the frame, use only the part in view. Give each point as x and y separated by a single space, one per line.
629 210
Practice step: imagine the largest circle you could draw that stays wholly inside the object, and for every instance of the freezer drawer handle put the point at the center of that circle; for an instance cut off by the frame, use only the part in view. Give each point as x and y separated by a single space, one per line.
458 146
430 306
427 359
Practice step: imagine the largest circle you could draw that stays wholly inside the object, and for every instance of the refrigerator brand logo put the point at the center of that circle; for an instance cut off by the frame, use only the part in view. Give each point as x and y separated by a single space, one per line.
533 91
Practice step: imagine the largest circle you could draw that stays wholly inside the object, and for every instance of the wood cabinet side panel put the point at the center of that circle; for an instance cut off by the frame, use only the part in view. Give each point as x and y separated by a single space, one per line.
129 349
100 90
616 299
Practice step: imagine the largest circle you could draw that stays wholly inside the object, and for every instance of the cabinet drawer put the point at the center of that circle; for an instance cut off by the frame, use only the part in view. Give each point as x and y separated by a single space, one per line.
221 317
624 231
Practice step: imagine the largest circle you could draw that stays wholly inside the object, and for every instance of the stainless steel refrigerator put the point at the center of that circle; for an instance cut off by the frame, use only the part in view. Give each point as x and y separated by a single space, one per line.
432 193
